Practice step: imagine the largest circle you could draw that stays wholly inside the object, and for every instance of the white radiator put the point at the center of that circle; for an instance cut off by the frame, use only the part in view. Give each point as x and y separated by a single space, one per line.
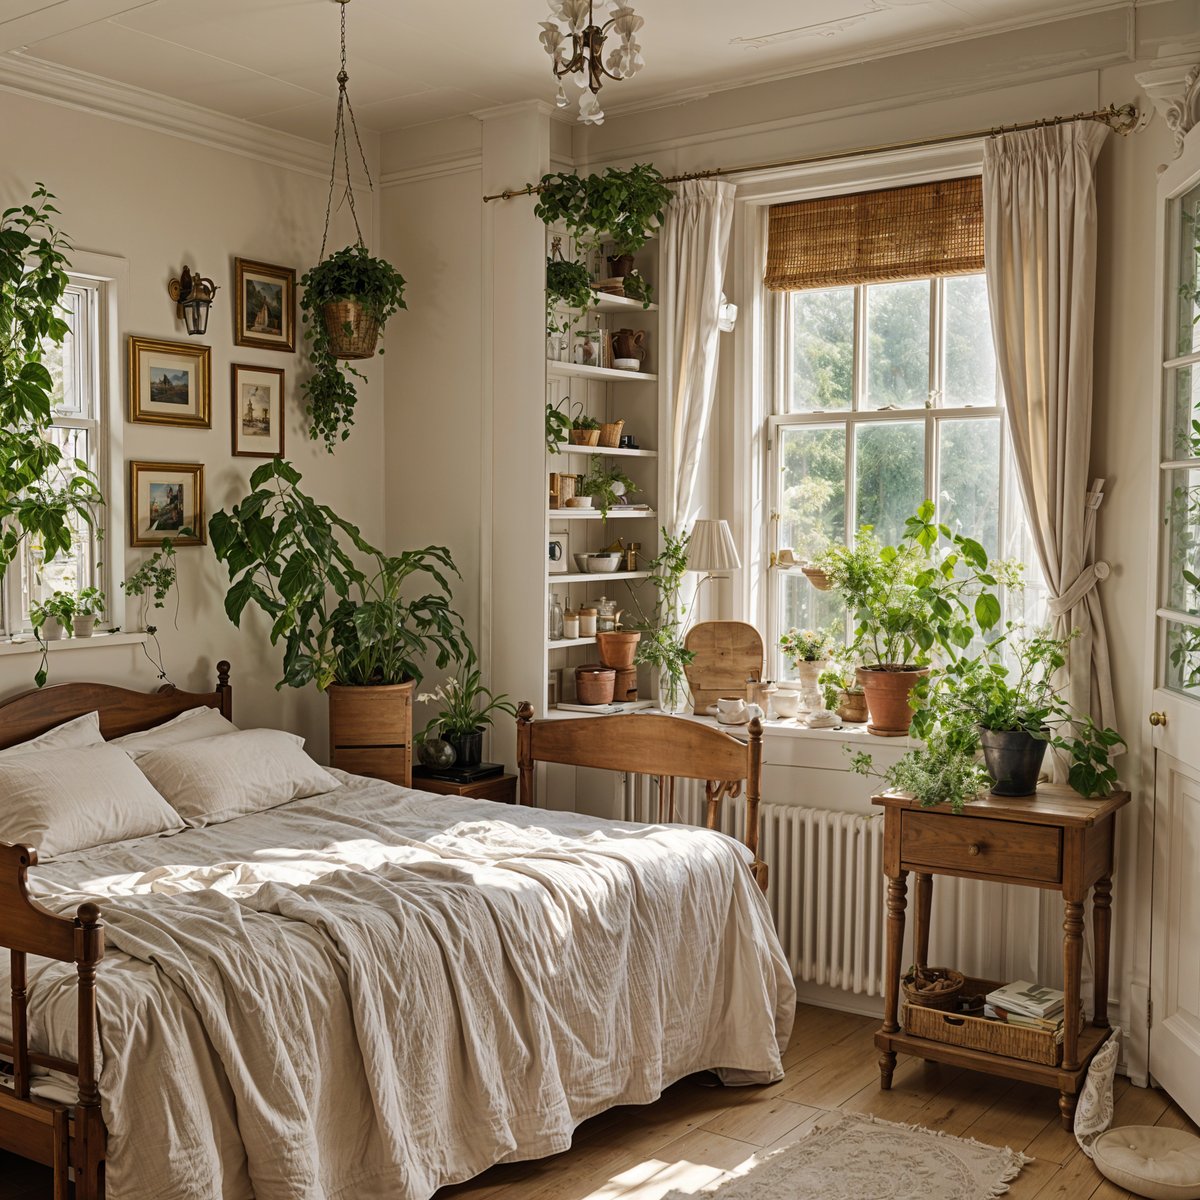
825 882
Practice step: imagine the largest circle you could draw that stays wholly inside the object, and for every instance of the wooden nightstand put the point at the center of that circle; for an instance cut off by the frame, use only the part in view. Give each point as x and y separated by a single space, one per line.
1056 839
502 788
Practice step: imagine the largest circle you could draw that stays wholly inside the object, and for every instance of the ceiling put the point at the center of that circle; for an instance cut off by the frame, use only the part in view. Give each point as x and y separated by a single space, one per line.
274 62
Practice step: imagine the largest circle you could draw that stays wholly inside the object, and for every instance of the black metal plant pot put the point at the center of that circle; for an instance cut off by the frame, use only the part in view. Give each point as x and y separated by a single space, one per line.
1014 760
468 747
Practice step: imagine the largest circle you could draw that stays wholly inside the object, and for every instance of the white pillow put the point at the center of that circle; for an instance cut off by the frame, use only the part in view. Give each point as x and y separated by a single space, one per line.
82 731
218 778
77 798
189 726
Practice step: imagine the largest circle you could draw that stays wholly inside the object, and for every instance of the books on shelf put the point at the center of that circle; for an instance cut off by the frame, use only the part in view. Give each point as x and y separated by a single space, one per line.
1048 1024
1029 1000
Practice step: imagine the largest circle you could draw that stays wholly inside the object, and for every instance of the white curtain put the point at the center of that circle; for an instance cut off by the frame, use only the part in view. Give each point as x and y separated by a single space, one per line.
695 246
1039 202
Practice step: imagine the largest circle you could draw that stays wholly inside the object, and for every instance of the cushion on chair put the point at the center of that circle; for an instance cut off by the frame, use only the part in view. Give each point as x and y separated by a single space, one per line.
1149 1160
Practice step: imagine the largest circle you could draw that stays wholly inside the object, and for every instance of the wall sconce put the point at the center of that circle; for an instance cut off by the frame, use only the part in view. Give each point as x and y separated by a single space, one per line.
193 296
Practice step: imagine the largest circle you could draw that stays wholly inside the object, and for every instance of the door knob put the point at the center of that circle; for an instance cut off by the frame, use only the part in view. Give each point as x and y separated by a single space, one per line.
1158 718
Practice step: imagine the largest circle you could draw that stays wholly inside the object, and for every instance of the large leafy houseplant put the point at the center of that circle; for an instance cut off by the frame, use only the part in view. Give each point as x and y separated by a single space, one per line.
349 274
44 496
298 562
623 207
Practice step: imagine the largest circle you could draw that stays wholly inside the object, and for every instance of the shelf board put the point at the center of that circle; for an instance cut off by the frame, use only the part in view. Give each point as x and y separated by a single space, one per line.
589 576
568 643
608 374
606 451
593 514
604 302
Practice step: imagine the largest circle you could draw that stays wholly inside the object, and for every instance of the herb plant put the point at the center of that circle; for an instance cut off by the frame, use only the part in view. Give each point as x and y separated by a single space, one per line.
585 422
940 772
606 485
622 206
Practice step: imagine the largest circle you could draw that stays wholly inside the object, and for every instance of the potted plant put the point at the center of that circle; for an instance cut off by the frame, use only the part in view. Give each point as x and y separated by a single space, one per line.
585 431
43 493
154 581
558 426
806 650
945 770
932 591
351 629
637 287
52 618
569 285
1004 700
606 486
89 606
348 299
840 688
662 642
467 709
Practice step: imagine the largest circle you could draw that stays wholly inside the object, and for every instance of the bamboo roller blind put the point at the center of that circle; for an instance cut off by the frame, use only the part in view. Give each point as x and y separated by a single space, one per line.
870 237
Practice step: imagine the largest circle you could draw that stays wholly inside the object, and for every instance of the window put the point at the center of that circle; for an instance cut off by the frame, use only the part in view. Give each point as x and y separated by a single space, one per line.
885 394
80 430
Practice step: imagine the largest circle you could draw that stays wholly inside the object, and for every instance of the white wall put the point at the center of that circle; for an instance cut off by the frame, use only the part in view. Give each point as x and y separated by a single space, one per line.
158 202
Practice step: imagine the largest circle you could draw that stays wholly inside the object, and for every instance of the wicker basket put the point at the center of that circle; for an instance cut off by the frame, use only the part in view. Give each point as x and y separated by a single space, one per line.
352 332
610 433
945 1000
585 437
594 684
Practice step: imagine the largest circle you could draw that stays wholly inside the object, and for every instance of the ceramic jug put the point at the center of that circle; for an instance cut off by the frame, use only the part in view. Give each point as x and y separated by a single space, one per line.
629 343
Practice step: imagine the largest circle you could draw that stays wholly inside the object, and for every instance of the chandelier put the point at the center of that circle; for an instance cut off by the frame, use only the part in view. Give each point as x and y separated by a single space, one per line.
575 41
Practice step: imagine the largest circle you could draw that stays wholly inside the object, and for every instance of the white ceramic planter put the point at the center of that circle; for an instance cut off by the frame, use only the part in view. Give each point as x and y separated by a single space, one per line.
53 630
84 626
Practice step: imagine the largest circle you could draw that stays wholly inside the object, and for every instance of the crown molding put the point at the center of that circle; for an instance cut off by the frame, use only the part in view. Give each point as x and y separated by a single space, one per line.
84 92
1175 93
460 164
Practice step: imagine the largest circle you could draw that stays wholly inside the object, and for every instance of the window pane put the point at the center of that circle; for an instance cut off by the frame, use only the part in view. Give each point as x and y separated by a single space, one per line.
1029 604
62 361
890 475
1188 339
970 358
898 345
804 607
969 479
1183 539
1183 658
822 350
812 508
1180 440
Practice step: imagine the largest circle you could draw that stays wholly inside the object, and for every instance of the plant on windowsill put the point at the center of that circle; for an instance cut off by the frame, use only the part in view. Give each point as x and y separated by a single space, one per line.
355 632
468 707
348 299
89 607
51 620
662 642
840 690
44 495
606 486
806 650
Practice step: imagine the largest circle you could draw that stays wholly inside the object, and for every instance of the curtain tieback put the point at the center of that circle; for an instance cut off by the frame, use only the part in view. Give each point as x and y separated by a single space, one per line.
1088 578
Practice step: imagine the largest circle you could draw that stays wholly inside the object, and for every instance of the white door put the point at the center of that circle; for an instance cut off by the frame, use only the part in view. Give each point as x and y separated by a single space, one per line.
1175 694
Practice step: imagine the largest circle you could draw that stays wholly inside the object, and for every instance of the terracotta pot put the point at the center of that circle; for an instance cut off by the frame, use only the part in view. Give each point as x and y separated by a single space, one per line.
370 731
594 684
626 685
351 330
886 693
852 706
618 648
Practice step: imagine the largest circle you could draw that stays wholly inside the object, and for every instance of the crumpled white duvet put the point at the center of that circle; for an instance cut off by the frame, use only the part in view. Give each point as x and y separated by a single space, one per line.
376 992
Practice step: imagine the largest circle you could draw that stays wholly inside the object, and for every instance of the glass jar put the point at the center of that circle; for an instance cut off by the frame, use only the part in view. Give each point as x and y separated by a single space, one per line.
589 347
570 624
555 625
587 622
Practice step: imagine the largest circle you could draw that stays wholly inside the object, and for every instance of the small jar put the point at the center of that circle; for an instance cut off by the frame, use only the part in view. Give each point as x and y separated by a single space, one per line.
631 555
570 624
587 622
556 621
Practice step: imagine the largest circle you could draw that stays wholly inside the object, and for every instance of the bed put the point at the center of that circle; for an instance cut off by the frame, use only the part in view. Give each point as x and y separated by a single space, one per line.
366 992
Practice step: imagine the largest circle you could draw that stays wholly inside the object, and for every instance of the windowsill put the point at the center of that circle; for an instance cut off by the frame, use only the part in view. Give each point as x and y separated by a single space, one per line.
28 644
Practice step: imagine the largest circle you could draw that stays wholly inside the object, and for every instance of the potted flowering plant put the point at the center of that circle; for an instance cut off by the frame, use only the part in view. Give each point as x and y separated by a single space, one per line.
467 708
806 650
840 688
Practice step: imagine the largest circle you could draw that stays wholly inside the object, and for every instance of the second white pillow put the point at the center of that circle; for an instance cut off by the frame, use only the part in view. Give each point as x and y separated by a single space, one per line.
218 778
190 726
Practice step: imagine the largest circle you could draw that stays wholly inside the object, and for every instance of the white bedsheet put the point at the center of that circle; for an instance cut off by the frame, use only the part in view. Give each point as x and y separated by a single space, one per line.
376 992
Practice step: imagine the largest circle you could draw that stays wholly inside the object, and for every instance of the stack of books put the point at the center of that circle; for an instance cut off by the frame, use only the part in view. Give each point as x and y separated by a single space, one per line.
1027 1004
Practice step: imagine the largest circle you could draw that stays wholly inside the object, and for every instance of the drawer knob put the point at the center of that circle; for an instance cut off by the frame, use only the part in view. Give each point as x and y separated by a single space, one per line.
973 848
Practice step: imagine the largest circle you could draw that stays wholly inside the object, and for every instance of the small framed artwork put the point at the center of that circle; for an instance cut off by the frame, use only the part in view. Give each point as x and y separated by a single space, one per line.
558 554
264 305
257 410
166 500
170 383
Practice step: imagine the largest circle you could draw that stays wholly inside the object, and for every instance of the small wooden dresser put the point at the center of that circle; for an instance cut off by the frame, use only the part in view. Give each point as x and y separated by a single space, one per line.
1055 839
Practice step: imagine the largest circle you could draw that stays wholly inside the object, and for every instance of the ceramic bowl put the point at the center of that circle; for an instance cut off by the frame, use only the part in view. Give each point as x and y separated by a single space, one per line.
786 703
602 563
627 364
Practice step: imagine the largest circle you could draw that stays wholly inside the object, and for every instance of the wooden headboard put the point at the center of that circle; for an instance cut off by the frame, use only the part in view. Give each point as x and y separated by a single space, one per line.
121 710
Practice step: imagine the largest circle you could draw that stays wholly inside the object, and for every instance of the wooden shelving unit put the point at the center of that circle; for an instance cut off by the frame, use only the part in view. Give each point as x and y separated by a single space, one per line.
568 370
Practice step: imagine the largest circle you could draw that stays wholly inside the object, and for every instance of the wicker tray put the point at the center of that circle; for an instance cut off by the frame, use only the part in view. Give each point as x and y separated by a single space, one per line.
977 1033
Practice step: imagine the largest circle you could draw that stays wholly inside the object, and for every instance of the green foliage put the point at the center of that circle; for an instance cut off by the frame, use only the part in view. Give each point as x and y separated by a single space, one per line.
637 287
568 284
466 703
289 555
157 575
622 206
558 426
583 421
940 772
661 645
348 274
838 675
43 496
60 606
804 645
90 602
605 484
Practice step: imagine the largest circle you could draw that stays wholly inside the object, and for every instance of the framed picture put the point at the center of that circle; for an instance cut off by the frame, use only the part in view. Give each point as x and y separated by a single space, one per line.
257 410
165 499
558 554
264 309
170 383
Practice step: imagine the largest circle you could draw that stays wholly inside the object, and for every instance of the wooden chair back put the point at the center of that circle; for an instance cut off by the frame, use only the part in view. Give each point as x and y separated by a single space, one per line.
727 654
667 748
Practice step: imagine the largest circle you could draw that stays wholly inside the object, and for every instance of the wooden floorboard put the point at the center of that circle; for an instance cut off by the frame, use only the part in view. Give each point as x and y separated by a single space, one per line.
698 1135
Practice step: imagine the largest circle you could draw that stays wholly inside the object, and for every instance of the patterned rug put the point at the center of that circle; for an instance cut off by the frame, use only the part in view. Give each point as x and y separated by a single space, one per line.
862 1158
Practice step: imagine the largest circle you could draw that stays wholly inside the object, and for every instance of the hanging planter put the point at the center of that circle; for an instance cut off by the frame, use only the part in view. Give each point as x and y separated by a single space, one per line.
348 298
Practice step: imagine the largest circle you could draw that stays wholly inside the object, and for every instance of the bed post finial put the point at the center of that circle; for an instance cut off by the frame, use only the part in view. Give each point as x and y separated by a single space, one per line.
525 754
753 796
224 690
524 712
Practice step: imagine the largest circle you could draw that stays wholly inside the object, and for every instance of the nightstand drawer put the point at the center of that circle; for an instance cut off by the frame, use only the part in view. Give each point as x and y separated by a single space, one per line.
980 847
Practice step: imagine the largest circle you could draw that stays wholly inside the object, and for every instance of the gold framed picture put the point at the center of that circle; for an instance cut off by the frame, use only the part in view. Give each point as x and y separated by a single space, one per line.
166 500
264 305
256 407
170 383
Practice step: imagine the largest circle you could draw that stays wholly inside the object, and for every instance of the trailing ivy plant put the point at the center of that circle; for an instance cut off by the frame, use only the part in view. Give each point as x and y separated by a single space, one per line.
558 426
44 496
351 273
154 581
623 207
661 644
569 285
637 287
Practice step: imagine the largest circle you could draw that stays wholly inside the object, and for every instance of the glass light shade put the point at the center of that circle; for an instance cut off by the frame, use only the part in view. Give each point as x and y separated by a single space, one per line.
712 547
195 315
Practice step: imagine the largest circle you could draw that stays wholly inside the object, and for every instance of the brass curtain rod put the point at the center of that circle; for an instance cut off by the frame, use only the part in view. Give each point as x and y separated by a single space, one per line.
1122 119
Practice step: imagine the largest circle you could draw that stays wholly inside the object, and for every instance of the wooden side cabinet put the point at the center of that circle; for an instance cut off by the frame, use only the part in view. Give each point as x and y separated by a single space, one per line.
1055 839
501 788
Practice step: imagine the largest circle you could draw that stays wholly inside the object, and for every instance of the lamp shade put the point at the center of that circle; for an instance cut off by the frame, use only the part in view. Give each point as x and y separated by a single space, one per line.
712 547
